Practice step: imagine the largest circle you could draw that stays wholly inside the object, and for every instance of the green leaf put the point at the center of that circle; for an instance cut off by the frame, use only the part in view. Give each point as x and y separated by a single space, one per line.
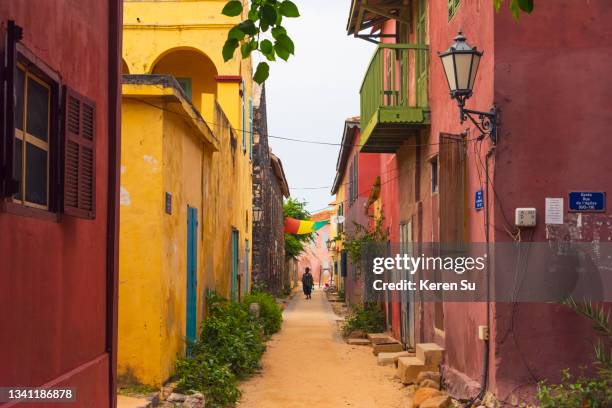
285 43
268 14
266 47
245 50
282 52
289 9
253 14
497 4
526 5
278 31
229 48
254 45
514 7
235 33
262 73
232 8
248 27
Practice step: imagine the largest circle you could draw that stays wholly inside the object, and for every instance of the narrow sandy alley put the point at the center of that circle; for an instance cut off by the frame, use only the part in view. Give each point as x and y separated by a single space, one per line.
309 365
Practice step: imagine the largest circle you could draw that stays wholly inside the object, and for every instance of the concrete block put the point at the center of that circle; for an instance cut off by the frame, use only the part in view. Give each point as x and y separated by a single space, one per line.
391 358
408 368
358 342
430 353
387 348
440 401
377 338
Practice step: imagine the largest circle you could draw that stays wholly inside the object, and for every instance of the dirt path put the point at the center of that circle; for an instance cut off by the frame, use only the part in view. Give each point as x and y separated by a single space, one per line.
308 365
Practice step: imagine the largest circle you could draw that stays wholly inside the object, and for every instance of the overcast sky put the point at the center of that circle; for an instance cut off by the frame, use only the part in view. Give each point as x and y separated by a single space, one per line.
310 96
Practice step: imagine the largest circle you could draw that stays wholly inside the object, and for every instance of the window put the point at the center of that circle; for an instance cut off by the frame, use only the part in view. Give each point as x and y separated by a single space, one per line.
340 214
185 84
40 140
32 143
434 175
453 5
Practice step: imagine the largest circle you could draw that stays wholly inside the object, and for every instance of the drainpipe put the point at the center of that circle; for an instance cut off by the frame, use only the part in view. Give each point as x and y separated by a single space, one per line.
484 381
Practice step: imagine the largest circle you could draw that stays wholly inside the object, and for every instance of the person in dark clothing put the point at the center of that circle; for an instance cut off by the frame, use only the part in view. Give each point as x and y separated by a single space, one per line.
307 283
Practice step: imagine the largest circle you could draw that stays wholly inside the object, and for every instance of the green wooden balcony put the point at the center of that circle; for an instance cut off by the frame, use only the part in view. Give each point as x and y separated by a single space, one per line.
394 103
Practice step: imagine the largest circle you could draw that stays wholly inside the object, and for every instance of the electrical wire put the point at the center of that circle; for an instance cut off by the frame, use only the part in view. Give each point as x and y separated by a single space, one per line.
281 137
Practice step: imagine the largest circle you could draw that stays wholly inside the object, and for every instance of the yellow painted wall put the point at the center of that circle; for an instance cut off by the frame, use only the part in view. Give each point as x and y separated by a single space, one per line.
164 150
340 198
140 259
184 39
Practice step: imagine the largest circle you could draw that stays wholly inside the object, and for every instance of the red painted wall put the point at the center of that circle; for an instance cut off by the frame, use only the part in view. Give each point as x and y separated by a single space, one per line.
552 82
53 276
548 73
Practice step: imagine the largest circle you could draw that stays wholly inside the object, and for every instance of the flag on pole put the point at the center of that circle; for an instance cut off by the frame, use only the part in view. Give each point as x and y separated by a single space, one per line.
300 227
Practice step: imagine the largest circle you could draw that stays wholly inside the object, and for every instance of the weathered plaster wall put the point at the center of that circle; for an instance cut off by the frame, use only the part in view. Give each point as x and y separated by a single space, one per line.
140 260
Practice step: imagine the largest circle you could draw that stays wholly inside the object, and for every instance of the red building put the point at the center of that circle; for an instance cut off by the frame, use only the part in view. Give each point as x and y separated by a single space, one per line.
356 178
59 172
548 76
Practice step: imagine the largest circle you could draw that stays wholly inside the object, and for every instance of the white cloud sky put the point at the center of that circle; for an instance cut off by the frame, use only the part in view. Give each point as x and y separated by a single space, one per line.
310 96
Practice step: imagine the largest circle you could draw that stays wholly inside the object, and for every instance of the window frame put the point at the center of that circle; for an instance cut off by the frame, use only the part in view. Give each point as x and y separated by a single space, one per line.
25 58
434 165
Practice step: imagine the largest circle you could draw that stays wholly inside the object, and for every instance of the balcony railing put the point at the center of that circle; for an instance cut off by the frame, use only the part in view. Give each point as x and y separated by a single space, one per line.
394 90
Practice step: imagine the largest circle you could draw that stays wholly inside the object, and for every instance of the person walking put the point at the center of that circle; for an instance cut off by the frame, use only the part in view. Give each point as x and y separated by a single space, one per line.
307 283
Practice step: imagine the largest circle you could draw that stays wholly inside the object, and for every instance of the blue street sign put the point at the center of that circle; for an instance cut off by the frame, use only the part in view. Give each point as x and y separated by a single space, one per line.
479 200
582 201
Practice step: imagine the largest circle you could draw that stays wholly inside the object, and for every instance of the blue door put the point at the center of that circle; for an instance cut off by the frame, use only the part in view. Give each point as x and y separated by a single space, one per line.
235 237
246 266
192 268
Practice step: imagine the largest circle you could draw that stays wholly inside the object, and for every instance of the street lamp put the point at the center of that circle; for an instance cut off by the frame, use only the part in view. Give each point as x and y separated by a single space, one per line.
257 214
460 63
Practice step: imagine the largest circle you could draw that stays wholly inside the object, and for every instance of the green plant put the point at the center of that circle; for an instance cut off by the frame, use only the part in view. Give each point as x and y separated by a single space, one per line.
262 31
270 313
294 244
233 335
215 380
363 237
578 392
230 346
341 294
593 391
516 6
368 319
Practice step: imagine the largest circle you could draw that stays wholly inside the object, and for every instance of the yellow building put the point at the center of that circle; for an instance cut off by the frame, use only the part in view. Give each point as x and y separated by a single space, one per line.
186 188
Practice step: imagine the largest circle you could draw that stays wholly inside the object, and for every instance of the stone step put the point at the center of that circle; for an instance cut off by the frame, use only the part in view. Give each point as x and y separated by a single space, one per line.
380 338
358 342
395 347
430 354
391 358
408 369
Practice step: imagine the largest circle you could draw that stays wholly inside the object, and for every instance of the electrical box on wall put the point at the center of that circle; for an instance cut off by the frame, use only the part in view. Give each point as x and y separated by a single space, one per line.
525 217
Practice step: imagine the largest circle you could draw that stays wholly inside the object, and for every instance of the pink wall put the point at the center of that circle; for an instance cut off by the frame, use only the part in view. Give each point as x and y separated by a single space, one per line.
317 258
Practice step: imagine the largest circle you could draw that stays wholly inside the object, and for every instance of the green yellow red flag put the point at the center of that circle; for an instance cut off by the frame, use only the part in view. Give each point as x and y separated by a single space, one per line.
300 227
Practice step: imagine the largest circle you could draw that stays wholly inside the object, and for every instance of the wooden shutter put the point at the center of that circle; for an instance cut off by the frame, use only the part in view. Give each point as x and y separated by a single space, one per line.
79 155
452 188
14 33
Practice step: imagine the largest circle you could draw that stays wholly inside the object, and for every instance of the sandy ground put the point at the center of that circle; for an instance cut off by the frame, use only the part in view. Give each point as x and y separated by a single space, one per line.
308 364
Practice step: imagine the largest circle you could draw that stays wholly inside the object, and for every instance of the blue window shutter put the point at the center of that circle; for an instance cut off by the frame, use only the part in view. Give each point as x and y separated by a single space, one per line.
251 128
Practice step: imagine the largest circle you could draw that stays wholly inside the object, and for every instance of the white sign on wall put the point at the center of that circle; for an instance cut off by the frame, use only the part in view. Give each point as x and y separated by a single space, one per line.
554 211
